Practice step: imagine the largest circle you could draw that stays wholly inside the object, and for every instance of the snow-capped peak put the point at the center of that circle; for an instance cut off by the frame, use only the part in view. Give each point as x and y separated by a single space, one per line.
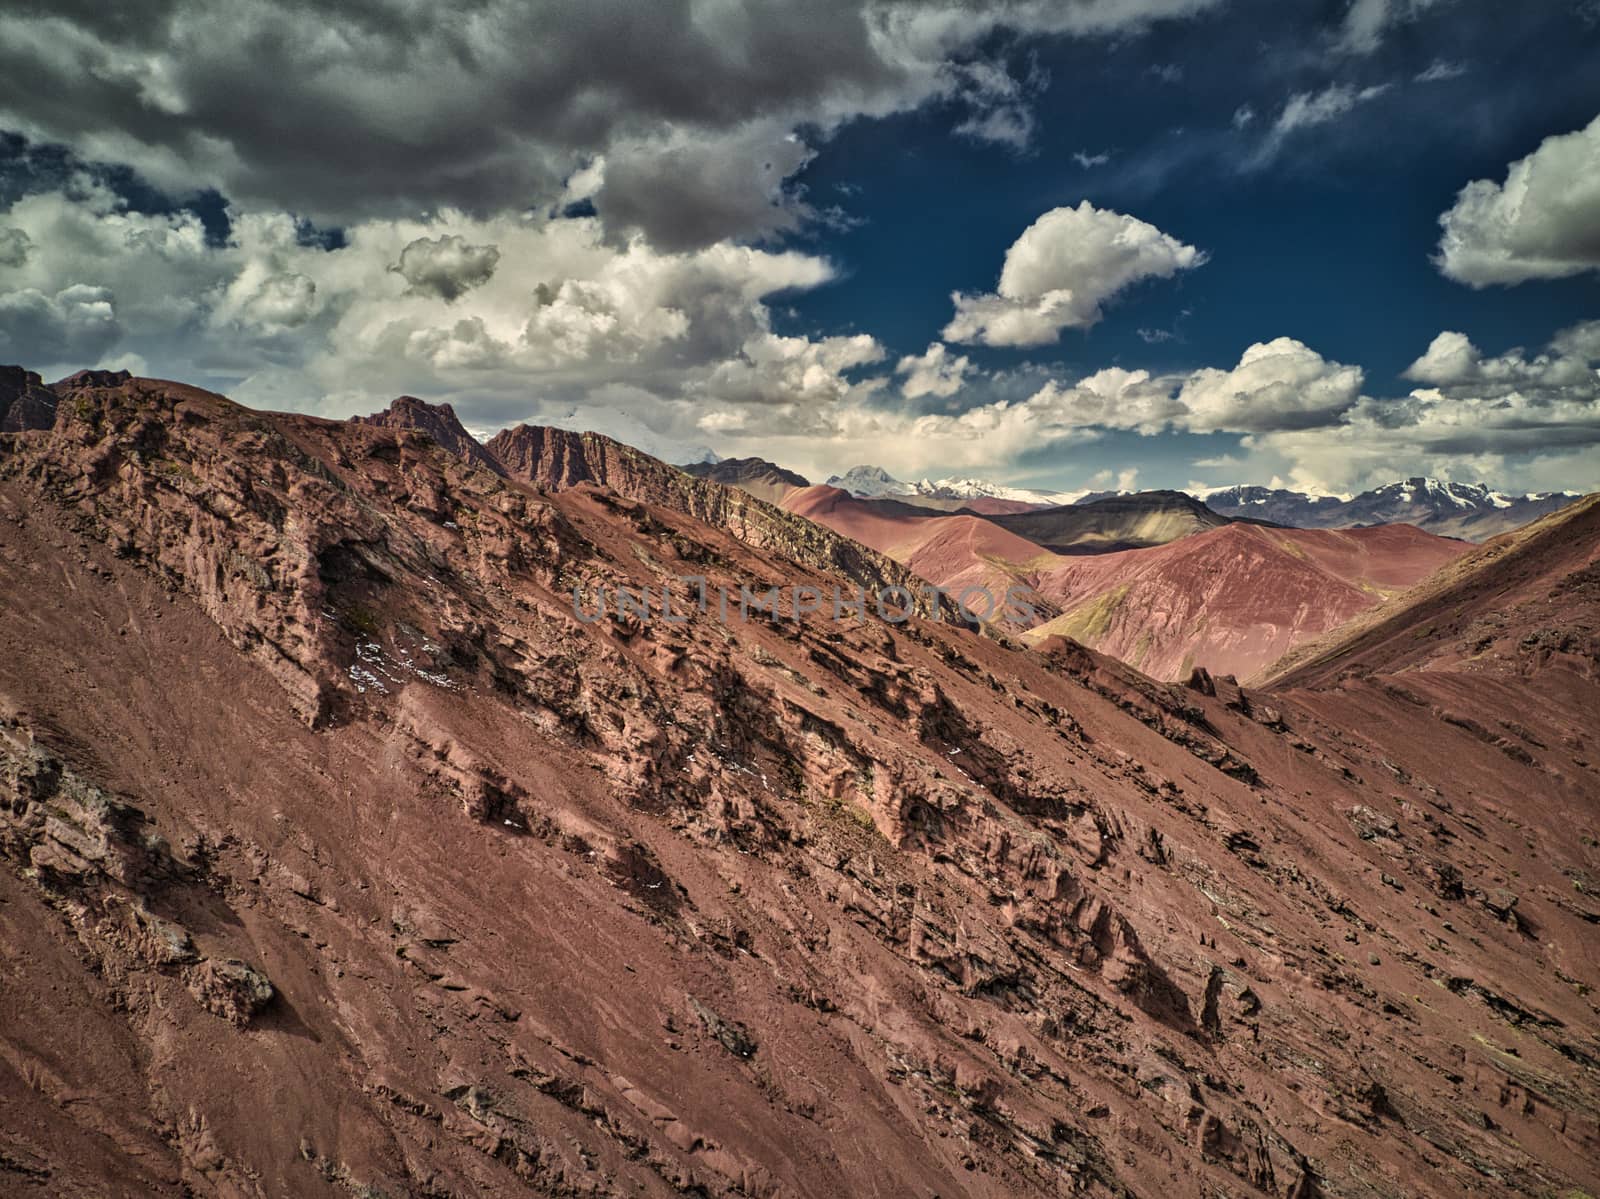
874 481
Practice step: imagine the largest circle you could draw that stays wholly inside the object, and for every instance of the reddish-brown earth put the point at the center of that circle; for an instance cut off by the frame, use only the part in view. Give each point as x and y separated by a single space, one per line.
1521 601
341 858
1234 599
955 552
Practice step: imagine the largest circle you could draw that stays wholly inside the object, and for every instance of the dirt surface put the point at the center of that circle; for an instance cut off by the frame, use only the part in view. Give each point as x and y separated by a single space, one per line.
340 857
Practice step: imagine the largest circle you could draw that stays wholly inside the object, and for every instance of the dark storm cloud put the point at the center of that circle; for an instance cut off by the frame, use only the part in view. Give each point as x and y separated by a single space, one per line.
78 323
346 110
446 267
14 247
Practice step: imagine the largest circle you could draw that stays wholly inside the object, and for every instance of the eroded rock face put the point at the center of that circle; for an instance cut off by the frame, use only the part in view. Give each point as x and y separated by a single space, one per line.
438 421
25 402
555 459
230 988
302 732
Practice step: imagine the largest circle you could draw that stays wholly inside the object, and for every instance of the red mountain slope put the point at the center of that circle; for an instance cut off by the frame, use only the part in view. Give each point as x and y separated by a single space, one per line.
1234 599
340 856
1514 605
955 552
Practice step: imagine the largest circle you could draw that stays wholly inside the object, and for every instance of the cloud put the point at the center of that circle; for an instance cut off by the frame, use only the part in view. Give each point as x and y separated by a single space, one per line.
255 100
1280 384
1581 341
1060 273
1089 161
1243 115
510 316
76 322
998 103
933 372
446 267
1459 369
1366 22
684 191
1439 70
14 247
1478 416
1543 222
1277 385
1305 110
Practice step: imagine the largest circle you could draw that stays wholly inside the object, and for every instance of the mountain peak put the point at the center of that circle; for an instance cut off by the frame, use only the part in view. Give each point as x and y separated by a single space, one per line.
1469 510
25 402
438 421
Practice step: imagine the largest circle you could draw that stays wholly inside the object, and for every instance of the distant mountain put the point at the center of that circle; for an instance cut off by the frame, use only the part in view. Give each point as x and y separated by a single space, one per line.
763 479
873 482
954 550
1232 599
1469 510
1511 608
1117 522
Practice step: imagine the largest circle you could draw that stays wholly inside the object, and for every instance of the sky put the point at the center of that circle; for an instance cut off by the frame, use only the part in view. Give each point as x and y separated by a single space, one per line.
1051 243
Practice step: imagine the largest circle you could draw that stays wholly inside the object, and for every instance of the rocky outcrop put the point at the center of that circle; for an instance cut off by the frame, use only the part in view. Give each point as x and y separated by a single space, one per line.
555 459
91 378
100 861
25 402
438 421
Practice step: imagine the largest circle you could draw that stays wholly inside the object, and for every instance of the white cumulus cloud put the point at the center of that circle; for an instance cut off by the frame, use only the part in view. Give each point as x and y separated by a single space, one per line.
934 372
1543 222
1062 271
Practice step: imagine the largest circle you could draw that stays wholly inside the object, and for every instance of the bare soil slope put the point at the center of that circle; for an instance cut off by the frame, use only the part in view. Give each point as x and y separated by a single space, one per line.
1234 599
340 857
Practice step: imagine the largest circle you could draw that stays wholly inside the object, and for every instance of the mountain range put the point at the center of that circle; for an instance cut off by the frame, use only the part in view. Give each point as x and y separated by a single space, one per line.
755 475
341 854
1155 578
872 482
1469 510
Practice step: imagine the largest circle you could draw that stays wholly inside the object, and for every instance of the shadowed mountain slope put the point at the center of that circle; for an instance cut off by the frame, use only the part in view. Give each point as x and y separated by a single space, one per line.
759 477
25 402
1116 522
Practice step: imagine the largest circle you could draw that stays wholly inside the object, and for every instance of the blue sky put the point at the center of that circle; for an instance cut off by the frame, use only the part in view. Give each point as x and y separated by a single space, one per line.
732 224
